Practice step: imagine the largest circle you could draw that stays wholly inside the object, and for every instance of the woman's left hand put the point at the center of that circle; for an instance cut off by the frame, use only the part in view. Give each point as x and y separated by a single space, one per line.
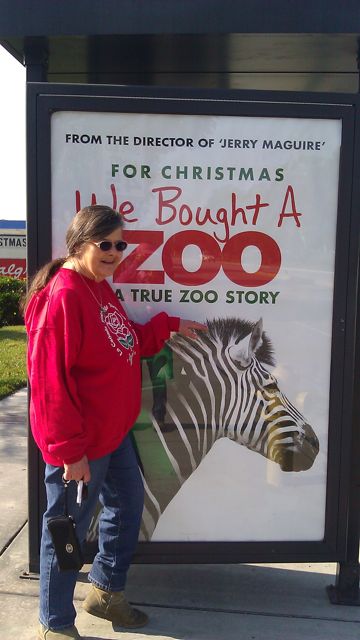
189 328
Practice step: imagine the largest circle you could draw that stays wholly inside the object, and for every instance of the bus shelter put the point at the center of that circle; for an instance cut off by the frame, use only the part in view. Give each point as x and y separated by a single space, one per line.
235 168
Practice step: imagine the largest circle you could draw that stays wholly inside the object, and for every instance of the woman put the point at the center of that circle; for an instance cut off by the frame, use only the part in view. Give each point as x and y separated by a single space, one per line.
84 373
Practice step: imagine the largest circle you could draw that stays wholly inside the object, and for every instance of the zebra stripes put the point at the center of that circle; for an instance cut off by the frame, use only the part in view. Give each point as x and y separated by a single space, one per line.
198 391
221 388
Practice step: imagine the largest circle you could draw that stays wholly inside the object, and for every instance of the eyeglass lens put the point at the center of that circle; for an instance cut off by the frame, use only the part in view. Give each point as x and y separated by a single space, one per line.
106 245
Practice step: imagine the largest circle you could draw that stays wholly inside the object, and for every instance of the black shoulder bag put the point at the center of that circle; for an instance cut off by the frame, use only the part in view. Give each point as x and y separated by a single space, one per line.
63 534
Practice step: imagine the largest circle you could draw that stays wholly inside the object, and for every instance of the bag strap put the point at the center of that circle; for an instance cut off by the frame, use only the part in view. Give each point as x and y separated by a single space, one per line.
66 484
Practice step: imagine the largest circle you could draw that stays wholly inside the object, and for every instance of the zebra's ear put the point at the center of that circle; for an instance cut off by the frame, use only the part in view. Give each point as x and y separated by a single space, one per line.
245 349
256 338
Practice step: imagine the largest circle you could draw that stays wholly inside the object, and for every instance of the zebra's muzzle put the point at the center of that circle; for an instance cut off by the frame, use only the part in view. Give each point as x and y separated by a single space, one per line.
300 455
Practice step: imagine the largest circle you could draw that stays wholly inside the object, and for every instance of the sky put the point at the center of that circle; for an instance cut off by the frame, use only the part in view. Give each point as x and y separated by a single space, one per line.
12 137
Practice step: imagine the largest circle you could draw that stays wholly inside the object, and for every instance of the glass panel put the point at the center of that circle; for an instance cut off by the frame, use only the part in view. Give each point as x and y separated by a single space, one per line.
230 220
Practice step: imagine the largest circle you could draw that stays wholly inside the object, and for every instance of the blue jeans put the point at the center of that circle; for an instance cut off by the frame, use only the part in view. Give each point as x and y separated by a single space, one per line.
116 482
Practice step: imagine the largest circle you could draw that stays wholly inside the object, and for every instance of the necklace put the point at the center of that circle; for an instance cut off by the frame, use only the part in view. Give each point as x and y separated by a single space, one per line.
99 302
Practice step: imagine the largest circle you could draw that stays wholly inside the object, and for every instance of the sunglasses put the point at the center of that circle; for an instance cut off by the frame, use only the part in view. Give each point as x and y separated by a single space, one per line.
106 245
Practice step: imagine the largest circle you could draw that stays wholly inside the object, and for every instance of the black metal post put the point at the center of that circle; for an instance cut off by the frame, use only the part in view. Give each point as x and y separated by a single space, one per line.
346 588
35 58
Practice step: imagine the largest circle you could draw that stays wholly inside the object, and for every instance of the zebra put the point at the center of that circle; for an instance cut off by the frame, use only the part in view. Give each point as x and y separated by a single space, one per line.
220 387
197 391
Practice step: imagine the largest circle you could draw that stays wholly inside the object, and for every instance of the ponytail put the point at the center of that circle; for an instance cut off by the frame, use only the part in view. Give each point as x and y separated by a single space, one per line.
40 280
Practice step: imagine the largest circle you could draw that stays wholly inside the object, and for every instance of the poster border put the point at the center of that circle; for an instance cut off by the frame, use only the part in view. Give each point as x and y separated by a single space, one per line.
43 100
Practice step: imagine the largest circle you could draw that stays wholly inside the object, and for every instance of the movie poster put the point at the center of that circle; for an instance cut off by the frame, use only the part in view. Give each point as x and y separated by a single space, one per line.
231 221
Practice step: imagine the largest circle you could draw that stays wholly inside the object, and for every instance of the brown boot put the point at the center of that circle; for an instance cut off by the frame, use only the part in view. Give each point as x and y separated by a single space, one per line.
113 606
62 634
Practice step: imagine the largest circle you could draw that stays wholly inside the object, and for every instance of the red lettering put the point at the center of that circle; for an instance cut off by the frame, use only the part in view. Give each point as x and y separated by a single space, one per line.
172 257
78 200
235 211
293 212
222 217
126 208
148 242
185 215
114 196
15 267
257 206
169 210
270 259
212 258
166 204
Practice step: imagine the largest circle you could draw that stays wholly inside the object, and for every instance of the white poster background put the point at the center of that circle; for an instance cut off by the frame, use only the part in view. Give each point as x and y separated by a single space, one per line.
235 494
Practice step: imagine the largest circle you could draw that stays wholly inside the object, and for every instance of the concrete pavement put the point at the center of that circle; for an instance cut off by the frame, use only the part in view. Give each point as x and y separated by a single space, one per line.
184 602
13 465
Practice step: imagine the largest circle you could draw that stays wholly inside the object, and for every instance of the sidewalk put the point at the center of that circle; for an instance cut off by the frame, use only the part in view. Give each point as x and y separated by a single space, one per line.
184 602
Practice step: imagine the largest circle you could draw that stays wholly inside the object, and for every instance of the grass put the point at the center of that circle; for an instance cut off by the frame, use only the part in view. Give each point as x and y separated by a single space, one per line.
12 359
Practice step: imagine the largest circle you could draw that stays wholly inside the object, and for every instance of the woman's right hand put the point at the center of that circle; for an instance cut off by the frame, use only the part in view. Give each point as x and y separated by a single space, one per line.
189 328
78 470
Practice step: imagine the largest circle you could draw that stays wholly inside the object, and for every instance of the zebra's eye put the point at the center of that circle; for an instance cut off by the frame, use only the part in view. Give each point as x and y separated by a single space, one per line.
271 388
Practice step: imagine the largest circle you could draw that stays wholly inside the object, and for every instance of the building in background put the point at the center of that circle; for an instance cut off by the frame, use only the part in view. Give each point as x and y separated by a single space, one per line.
13 248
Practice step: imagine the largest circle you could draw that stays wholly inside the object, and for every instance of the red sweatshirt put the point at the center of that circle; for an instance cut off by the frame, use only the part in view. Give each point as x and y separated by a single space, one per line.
84 367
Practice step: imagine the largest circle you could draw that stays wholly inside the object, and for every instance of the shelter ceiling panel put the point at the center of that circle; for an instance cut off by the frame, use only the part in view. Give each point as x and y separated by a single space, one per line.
329 82
231 53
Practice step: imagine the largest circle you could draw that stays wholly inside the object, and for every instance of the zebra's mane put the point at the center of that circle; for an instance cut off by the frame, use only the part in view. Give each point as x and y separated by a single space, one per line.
226 329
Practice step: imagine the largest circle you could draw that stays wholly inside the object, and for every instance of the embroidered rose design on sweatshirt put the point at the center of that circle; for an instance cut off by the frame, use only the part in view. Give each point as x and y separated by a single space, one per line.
118 331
